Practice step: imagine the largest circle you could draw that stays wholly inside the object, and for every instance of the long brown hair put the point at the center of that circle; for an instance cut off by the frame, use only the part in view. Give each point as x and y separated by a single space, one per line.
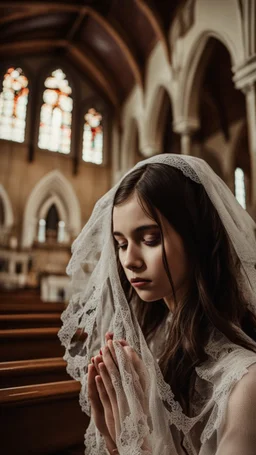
213 298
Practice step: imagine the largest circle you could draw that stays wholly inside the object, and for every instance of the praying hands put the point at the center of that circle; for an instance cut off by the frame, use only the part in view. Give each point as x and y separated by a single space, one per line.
105 382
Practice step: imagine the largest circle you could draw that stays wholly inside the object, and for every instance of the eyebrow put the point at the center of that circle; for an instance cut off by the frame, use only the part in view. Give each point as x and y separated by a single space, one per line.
139 229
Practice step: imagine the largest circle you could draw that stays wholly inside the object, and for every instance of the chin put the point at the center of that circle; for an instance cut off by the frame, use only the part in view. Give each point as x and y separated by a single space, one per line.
149 298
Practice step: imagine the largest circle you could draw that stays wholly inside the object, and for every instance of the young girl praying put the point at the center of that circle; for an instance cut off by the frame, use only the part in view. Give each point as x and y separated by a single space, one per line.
160 329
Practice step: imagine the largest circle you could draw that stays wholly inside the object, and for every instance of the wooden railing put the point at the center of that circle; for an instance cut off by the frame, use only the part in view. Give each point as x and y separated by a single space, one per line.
41 418
39 402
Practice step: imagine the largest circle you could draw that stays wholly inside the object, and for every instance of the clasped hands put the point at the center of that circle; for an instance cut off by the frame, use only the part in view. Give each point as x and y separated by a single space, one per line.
102 393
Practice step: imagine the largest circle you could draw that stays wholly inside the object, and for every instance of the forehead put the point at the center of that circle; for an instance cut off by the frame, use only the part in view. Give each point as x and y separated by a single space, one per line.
129 214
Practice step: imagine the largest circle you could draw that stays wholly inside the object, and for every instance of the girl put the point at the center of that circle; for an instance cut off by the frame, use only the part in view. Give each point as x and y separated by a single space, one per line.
164 304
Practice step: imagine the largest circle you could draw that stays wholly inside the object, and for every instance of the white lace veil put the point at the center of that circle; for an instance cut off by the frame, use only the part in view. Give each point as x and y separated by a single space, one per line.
98 305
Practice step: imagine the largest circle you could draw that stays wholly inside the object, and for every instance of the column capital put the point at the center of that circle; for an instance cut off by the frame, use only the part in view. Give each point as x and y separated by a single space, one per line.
245 74
186 126
148 150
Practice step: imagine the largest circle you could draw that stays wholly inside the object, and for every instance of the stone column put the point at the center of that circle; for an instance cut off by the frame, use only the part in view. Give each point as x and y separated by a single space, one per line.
245 80
186 128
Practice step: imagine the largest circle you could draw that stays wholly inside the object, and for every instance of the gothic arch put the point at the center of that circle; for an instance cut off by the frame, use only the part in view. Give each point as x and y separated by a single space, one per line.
153 126
192 75
54 200
52 185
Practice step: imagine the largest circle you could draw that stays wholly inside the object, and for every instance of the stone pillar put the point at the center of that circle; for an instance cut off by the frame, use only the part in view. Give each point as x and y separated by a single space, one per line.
186 128
245 80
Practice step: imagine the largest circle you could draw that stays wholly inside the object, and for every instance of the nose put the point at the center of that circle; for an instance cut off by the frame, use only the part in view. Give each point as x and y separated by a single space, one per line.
133 259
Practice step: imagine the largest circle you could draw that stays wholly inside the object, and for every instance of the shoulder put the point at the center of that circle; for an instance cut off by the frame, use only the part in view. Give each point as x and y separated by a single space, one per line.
238 433
243 395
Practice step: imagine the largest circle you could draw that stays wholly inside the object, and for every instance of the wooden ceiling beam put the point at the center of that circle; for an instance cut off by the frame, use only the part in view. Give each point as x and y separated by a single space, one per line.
76 25
18 47
95 71
42 8
155 22
120 42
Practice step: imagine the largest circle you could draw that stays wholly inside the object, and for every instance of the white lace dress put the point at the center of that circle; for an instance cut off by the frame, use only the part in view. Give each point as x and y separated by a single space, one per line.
225 397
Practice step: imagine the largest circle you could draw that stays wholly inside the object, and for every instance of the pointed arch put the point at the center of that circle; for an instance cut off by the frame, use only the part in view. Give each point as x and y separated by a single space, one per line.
53 200
193 73
159 118
52 187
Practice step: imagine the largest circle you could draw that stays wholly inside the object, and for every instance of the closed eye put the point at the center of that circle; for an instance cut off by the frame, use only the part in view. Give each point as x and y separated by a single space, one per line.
152 241
121 246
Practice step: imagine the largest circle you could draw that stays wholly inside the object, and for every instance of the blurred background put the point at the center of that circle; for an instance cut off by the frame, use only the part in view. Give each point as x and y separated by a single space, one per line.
87 89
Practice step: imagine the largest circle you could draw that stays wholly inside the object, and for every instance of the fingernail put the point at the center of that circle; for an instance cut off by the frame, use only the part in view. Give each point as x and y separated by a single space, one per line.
92 359
100 352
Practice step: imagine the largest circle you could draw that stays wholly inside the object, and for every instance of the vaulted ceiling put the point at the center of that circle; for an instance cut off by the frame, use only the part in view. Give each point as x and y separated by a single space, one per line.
108 40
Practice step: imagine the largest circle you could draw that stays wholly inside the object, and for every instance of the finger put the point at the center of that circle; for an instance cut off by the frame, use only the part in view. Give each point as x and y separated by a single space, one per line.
110 390
112 351
108 384
136 367
111 347
109 361
123 342
109 336
92 389
106 403
97 360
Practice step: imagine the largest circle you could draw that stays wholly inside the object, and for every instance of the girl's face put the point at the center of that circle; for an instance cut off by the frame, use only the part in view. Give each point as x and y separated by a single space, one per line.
138 240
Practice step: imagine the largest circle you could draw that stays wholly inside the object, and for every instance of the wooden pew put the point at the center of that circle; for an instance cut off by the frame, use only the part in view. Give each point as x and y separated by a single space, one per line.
24 344
28 372
13 307
29 320
41 419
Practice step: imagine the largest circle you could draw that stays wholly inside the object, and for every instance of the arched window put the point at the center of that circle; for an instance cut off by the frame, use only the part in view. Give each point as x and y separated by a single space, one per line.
51 229
240 192
13 105
56 114
93 137
52 221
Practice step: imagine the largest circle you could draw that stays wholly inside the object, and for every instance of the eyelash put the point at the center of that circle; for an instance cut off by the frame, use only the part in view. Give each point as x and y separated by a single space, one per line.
152 243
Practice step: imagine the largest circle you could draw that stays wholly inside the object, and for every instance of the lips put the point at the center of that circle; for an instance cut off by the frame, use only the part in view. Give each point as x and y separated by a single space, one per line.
139 280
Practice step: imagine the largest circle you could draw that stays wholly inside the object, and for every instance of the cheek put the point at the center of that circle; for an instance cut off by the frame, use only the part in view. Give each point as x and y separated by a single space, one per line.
178 265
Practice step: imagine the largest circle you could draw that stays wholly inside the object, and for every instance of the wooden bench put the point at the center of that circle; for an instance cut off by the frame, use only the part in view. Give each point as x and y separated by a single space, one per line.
41 419
11 307
24 344
36 320
28 372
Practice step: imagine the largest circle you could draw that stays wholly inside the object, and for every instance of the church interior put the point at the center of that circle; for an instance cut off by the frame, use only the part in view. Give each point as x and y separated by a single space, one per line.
88 89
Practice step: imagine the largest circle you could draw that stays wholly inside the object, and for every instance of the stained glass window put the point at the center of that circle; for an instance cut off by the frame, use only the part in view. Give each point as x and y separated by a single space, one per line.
240 187
93 137
13 105
56 114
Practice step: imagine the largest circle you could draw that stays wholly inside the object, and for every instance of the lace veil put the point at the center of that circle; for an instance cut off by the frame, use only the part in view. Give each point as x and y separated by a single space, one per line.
98 305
